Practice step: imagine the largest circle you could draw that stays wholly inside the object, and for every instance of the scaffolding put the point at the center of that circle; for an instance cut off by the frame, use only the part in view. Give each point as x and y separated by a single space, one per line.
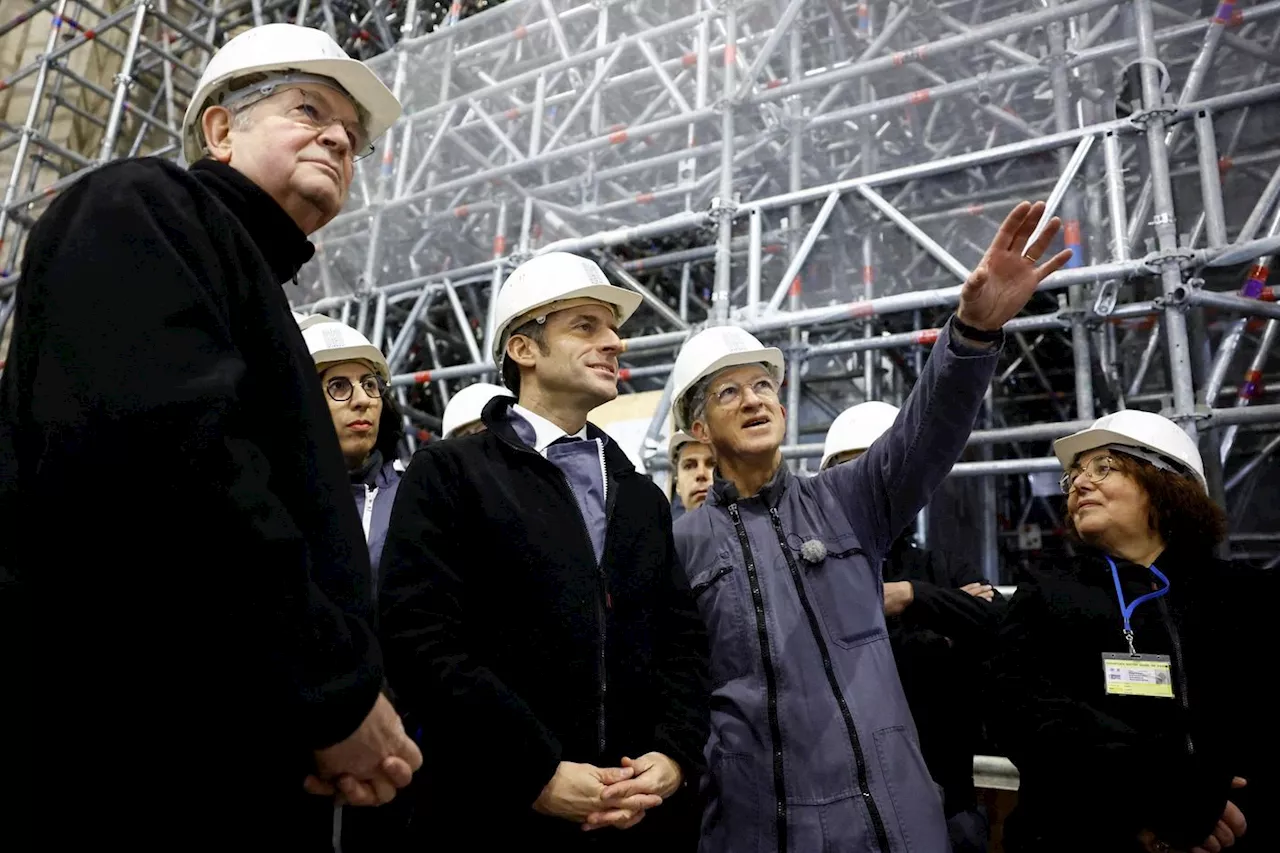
824 173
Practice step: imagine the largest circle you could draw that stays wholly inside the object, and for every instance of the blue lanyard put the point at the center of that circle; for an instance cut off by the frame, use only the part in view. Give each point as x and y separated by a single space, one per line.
1126 610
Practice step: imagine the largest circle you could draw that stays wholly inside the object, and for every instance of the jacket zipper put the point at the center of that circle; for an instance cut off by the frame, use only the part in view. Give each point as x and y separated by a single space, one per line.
370 493
1176 645
602 681
859 760
603 602
770 681
709 582
602 591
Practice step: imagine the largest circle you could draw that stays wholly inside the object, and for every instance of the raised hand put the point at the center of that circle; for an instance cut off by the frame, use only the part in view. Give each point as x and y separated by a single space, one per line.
1003 281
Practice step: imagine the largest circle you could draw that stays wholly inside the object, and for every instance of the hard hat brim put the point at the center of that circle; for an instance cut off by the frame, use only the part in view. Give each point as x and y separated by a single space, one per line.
624 303
678 440
1070 447
368 92
370 355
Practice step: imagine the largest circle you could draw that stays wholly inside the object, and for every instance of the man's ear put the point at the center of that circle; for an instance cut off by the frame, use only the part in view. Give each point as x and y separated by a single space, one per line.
699 431
216 124
520 350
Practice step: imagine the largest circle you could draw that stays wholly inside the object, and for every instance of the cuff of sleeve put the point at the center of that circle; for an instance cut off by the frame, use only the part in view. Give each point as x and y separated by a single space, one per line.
541 769
332 712
964 346
1189 803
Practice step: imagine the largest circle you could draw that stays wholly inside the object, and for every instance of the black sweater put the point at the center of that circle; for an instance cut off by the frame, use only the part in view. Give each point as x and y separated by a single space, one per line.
941 643
505 638
1097 769
180 545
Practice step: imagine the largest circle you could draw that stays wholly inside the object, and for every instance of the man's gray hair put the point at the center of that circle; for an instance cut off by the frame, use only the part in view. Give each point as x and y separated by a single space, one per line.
695 402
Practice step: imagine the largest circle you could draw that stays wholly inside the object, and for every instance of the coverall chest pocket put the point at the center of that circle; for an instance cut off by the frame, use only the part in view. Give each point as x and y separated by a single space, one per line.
847 592
718 591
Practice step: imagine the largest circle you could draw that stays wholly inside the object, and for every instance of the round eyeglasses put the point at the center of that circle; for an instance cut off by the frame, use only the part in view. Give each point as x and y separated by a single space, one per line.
340 389
1096 469
730 395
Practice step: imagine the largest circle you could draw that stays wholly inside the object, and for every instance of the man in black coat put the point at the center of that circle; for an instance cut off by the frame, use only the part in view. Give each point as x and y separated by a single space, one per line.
182 563
534 615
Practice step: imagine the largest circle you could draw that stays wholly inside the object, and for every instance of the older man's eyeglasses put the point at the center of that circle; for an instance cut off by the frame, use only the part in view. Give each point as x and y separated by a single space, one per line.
311 111
730 395
1096 469
340 389
314 113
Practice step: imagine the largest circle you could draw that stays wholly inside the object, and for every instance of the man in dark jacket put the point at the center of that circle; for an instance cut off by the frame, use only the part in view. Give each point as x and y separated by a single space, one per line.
195 598
942 618
533 611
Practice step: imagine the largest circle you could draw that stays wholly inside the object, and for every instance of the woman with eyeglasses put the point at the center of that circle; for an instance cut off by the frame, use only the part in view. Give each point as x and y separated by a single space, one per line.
354 374
1131 680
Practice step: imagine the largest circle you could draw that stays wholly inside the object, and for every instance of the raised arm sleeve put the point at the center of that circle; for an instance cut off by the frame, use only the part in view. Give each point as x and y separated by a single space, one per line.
128 356
426 586
884 489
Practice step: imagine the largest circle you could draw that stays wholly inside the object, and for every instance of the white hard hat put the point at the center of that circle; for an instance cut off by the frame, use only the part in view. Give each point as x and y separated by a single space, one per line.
554 277
306 321
288 48
467 405
334 342
711 351
856 428
1147 431
678 440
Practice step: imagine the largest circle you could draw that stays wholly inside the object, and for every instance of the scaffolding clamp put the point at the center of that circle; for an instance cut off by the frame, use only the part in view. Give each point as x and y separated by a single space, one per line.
720 209
1105 302
1142 118
1155 261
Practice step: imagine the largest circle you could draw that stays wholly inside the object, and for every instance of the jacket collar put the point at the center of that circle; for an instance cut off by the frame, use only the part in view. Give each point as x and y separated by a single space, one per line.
1174 565
723 492
544 431
498 418
274 232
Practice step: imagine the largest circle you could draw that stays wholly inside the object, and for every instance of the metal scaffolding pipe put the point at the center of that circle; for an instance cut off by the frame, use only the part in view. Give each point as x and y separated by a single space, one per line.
1189 296
977 35
1175 322
33 108
1252 380
941 255
720 297
787 282
1249 467
650 298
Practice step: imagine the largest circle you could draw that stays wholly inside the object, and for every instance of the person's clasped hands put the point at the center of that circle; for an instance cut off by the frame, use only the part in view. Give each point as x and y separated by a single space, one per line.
368 767
618 797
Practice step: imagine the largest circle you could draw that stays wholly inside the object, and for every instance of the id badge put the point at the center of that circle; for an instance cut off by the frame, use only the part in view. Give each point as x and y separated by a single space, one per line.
1137 675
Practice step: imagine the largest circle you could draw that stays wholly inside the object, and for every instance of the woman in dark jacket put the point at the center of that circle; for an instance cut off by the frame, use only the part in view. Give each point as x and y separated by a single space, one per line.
1129 684
354 374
